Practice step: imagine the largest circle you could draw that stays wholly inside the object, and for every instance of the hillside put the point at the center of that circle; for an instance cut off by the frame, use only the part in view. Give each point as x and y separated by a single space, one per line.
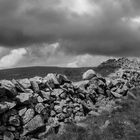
73 74
52 106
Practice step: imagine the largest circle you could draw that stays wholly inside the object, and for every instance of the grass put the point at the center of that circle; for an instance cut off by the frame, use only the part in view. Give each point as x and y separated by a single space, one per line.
74 74
123 124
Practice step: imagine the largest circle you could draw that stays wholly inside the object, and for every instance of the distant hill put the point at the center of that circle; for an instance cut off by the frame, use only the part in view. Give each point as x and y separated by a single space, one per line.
73 74
123 62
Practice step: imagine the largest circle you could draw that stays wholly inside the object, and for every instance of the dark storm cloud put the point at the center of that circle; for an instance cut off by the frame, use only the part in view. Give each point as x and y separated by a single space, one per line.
82 26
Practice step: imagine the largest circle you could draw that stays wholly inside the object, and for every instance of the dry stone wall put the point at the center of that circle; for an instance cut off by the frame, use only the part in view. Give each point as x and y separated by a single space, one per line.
32 108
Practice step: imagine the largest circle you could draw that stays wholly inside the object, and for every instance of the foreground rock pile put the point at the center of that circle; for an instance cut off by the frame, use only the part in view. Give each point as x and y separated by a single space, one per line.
32 108
123 62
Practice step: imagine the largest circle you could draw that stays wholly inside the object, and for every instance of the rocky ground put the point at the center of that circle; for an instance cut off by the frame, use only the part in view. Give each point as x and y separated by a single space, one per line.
55 108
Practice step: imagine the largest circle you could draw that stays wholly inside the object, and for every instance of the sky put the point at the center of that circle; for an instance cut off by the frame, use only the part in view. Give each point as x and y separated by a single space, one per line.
67 33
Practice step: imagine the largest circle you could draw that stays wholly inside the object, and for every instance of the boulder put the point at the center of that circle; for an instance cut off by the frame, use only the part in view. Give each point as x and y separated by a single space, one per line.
6 105
58 108
8 136
45 95
14 120
25 83
24 97
22 111
115 94
10 88
11 128
29 114
37 79
2 92
34 124
48 130
40 99
89 74
62 79
51 80
39 107
18 86
35 86
56 92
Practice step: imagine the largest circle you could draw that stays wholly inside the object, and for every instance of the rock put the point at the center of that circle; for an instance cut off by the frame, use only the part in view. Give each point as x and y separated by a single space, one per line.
10 88
17 135
4 106
52 113
18 86
24 97
51 80
2 92
93 113
79 118
81 84
42 105
63 95
45 95
32 125
29 114
7 115
62 79
89 74
61 116
130 94
86 109
14 120
25 83
35 86
2 129
11 128
39 107
58 108
8 136
115 94
40 99
10 104
37 79
56 92
22 111
48 130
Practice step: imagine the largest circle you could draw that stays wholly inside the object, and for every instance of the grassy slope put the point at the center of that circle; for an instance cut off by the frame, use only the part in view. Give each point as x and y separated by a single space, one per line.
28 72
74 74
124 124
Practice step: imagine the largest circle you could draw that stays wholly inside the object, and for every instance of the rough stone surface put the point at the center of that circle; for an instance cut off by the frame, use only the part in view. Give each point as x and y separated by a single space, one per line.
39 105
8 136
24 97
51 80
35 123
25 83
29 114
10 87
89 74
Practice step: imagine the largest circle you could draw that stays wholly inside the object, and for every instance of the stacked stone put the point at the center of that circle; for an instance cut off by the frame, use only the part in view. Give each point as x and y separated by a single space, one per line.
32 108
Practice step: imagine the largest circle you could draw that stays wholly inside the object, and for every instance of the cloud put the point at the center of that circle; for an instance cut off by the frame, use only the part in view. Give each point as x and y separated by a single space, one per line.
87 60
44 55
12 58
80 26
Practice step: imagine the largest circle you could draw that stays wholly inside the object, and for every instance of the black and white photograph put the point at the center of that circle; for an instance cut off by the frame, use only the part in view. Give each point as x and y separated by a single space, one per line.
69 69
